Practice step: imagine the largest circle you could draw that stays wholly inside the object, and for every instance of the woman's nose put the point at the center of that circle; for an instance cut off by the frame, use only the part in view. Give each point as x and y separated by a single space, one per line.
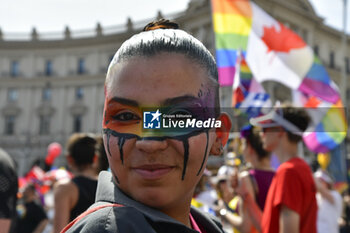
151 145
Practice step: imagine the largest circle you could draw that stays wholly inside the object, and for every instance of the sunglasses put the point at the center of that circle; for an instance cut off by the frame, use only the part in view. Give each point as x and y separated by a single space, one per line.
272 129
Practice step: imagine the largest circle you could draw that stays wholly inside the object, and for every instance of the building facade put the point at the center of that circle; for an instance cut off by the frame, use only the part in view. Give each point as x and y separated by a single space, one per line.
53 85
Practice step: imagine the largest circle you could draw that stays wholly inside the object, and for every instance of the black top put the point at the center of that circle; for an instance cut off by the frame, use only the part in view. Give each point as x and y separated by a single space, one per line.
87 191
31 217
8 188
134 217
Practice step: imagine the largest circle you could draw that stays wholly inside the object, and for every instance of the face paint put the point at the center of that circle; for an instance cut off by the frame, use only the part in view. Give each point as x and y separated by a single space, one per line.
123 120
122 137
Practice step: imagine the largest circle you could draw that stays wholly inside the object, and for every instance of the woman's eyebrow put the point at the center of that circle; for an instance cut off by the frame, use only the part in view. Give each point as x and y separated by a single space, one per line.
124 101
180 99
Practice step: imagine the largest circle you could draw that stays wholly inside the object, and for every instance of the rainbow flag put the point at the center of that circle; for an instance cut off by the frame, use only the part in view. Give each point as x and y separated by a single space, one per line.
328 132
272 51
318 83
328 126
232 25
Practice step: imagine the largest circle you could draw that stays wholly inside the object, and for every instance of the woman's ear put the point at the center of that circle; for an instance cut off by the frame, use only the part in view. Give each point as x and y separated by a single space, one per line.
222 134
70 161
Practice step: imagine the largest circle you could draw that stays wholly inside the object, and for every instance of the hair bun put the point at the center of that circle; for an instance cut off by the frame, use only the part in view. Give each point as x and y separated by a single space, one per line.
160 24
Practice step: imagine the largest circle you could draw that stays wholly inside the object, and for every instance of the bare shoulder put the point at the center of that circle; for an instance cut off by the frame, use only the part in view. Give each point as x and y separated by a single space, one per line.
65 187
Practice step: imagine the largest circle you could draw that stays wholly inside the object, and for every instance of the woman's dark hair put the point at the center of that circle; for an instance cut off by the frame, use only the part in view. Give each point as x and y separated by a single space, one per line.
160 24
82 148
252 137
164 36
103 164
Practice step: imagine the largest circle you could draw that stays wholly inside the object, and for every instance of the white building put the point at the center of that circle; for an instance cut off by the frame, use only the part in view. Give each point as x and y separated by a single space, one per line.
51 85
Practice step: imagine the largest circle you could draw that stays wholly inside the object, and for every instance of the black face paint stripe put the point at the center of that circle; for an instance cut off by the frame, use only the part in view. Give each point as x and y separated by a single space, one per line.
186 151
121 141
115 177
122 137
108 138
205 153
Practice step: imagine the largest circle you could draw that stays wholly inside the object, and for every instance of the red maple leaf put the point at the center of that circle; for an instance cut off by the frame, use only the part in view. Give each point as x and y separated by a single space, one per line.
283 40
237 97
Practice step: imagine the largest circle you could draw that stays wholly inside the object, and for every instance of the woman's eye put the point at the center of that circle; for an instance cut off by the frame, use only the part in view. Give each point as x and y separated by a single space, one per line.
126 116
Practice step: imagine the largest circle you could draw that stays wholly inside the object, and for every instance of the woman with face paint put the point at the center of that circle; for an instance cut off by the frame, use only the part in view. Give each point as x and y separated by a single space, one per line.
160 73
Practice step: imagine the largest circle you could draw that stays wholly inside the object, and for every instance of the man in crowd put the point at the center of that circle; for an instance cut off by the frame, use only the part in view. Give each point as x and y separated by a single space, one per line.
291 204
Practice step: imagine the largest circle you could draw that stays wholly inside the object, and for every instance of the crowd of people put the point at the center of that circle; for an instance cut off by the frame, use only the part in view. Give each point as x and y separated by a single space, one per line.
261 198
68 195
129 181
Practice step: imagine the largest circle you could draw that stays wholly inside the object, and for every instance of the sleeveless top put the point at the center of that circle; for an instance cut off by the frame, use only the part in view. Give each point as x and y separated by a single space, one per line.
262 180
87 191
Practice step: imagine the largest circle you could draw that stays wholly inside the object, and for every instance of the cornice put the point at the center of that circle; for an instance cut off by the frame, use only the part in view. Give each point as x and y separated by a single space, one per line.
77 80
45 109
65 43
78 109
11 110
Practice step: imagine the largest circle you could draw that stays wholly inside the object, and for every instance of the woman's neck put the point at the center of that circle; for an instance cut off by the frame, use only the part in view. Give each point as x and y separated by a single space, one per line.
264 164
87 172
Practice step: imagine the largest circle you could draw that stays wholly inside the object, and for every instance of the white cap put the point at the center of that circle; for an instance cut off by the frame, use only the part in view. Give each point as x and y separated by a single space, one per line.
273 119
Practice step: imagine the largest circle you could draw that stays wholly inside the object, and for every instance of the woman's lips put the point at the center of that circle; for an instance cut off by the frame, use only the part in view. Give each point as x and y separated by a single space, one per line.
153 172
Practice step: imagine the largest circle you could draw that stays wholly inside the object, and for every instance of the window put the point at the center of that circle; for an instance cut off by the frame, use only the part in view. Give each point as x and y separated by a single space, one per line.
46 95
48 68
316 50
347 65
9 125
44 125
12 95
347 94
14 72
305 35
81 66
331 60
79 93
77 123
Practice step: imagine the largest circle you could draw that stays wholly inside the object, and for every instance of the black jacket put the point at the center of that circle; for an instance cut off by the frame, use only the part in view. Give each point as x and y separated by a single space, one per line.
134 217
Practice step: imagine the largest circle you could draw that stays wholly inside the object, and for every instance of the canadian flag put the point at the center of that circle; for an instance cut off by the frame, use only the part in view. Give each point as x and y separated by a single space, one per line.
275 52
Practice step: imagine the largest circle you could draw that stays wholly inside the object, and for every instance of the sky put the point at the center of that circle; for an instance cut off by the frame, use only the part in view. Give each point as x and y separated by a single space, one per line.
20 16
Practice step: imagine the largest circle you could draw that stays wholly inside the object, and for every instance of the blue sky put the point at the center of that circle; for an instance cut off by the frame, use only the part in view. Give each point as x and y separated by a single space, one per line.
54 15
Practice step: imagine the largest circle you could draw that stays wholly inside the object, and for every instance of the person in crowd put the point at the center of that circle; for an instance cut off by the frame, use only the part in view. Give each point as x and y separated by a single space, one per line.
205 195
33 218
230 204
154 172
74 196
291 200
8 192
345 220
256 180
329 203
224 191
223 188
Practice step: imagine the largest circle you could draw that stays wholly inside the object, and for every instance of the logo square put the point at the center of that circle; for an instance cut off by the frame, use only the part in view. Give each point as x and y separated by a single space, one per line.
151 120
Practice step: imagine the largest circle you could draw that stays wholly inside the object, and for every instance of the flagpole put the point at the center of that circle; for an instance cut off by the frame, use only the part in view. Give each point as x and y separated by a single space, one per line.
343 45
